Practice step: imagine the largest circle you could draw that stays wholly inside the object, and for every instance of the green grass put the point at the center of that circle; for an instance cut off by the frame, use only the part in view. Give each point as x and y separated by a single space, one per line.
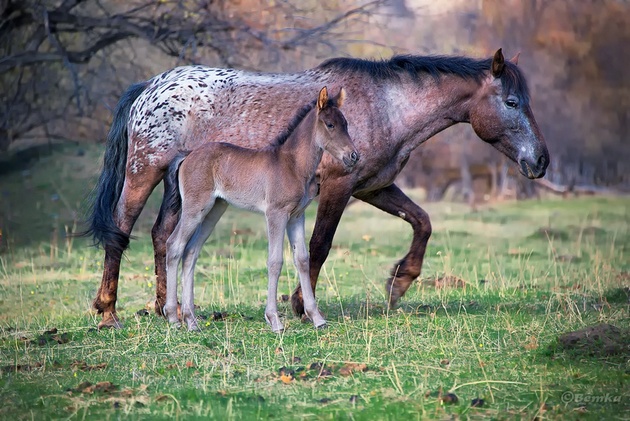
532 271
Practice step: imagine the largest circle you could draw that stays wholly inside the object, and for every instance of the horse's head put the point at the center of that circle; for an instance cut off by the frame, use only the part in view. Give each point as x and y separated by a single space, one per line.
501 116
332 129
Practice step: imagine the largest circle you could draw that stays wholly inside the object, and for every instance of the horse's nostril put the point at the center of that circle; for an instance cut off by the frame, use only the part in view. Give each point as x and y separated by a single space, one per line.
354 156
541 161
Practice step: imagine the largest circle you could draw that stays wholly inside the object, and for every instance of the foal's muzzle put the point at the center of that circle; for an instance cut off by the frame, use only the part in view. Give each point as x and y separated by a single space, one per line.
350 160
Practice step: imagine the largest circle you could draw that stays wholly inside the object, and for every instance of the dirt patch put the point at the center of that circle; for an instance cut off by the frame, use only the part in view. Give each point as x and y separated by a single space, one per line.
546 233
601 340
444 281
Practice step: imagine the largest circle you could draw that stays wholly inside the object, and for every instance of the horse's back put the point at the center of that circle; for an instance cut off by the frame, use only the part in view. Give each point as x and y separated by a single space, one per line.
188 106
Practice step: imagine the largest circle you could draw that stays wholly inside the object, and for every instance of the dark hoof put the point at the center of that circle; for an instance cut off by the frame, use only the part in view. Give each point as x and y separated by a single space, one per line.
110 321
159 308
297 303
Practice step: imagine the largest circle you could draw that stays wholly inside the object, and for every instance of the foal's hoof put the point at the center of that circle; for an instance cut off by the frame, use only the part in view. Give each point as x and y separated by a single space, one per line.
276 324
321 326
110 321
193 326
175 325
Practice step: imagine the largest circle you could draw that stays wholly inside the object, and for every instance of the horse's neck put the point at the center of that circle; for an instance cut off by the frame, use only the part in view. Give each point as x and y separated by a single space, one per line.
422 111
300 148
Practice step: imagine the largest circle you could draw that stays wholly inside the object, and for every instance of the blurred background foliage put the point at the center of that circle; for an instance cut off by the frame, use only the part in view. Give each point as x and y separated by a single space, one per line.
64 63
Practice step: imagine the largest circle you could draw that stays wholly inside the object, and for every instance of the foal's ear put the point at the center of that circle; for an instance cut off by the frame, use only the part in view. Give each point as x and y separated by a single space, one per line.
498 63
322 99
514 59
340 98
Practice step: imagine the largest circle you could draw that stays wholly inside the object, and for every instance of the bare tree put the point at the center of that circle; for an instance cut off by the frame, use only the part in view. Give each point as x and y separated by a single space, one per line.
59 55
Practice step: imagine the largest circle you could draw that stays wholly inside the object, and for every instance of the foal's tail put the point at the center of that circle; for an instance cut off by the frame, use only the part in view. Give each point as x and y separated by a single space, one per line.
172 197
102 226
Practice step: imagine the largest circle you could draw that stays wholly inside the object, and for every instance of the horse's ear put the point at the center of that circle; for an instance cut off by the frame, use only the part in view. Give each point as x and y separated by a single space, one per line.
514 59
498 62
322 99
340 98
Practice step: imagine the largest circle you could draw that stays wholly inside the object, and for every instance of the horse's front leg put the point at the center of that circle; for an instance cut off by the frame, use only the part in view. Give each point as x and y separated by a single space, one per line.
393 201
333 198
295 231
276 225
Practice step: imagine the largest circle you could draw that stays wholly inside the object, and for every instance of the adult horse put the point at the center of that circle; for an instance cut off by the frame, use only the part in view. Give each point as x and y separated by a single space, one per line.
393 107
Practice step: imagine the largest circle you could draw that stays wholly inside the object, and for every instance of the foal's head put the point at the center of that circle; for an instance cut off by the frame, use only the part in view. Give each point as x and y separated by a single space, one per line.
331 131
501 116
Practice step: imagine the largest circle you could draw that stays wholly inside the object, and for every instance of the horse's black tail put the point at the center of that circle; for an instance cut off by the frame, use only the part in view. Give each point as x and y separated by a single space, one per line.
172 196
102 226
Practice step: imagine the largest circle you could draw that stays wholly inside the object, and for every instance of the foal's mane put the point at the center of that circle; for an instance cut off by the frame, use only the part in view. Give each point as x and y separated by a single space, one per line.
296 120
512 80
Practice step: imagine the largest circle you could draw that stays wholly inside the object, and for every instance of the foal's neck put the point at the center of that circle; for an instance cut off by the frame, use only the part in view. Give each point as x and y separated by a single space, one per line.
302 153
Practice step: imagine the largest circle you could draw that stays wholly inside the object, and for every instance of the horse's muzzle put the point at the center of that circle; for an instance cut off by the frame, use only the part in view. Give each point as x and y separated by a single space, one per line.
536 169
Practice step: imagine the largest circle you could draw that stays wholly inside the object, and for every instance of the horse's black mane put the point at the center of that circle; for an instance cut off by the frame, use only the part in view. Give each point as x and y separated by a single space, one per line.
512 79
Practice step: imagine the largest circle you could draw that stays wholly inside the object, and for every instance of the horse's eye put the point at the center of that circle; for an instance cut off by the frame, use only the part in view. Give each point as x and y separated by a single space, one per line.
511 103
330 125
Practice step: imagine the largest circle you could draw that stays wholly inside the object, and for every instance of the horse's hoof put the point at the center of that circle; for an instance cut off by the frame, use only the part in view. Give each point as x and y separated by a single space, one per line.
110 321
159 308
297 303
193 326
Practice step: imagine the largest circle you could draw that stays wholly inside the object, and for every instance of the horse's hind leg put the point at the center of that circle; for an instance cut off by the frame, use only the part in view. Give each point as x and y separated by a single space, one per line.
191 254
132 199
295 231
333 199
162 229
393 201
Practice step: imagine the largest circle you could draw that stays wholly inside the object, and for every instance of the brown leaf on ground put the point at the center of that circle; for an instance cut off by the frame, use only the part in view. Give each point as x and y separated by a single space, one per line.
219 315
103 387
348 368
83 366
532 344
449 398
286 378
20 367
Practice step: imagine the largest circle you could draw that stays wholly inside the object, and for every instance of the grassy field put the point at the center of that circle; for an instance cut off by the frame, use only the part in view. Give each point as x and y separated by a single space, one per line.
475 338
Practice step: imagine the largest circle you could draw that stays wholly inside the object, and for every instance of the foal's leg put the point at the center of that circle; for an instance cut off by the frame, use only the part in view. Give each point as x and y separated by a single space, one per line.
295 231
393 201
333 198
191 254
189 222
276 225
132 199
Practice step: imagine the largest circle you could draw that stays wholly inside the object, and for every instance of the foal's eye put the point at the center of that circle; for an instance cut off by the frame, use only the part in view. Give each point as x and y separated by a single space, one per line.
330 125
511 103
